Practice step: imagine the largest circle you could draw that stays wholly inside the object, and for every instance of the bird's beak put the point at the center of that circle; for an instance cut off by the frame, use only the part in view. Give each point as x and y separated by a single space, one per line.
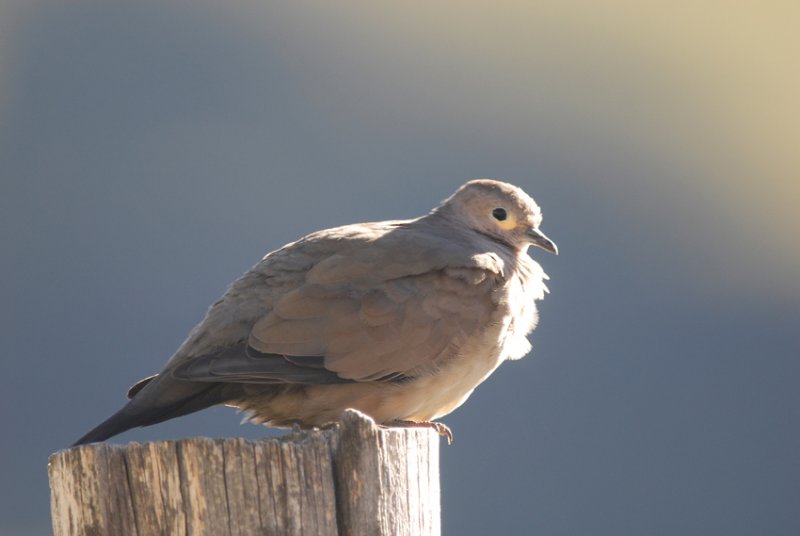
540 240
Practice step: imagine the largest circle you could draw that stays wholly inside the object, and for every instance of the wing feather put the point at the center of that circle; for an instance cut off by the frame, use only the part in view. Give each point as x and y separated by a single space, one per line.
395 327
241 364
362 311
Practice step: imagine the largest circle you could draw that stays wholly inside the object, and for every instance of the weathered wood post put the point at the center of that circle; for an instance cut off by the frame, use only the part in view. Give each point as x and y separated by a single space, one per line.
354 479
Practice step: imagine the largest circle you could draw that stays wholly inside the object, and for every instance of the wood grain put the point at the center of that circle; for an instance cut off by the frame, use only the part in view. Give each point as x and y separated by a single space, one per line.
356 478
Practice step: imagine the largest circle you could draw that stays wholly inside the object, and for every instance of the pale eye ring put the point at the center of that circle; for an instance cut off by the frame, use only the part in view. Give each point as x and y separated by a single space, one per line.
499 214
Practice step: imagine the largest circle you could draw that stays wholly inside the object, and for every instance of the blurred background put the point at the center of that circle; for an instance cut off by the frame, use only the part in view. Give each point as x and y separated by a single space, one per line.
150 152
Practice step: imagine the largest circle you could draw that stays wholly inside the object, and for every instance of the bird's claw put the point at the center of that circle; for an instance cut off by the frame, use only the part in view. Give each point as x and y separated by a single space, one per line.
439 427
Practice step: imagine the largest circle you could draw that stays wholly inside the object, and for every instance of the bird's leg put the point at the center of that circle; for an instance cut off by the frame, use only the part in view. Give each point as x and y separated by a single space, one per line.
440 427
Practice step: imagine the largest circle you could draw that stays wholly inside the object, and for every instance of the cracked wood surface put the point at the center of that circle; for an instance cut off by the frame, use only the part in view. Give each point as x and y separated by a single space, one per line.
357 478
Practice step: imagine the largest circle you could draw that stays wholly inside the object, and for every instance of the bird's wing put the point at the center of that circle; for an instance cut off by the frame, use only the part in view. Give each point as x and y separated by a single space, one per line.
243 364
400 327
368 314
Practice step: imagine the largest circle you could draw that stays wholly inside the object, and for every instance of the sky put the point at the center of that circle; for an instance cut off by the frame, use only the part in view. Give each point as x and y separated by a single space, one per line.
150 152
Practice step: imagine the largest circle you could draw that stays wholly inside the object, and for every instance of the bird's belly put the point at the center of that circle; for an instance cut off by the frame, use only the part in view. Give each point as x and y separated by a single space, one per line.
421 399
433 397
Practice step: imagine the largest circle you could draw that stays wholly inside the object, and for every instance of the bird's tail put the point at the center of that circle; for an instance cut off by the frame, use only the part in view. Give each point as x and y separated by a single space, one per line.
157 402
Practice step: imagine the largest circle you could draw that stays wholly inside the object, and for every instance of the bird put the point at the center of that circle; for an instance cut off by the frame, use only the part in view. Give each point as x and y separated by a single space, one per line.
398 319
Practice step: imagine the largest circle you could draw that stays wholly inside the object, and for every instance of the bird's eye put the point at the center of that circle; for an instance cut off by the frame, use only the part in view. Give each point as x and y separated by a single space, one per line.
499 214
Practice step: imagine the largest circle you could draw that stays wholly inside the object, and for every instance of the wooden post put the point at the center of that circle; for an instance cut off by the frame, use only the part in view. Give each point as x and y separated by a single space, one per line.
356 478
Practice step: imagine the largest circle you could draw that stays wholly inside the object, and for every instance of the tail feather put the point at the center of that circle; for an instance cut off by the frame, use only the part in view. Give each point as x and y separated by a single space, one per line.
133 415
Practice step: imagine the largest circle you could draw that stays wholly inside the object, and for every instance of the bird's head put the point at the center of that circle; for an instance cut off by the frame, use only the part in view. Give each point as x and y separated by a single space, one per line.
499 210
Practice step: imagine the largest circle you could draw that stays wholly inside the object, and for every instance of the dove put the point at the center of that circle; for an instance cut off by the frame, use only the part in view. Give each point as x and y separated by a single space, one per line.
399 319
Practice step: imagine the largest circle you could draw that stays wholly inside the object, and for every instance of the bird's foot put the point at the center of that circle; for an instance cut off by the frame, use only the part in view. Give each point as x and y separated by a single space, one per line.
439 427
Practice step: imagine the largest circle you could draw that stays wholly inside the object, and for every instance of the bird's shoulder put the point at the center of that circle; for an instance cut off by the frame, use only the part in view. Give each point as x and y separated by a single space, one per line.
380 251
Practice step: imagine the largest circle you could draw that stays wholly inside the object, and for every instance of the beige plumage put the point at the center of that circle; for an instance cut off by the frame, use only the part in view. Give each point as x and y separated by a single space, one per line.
399 319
